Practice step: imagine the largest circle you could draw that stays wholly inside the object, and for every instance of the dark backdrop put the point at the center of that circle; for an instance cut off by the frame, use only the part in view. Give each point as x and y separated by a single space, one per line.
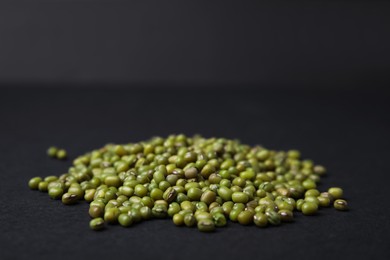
258 43
300 75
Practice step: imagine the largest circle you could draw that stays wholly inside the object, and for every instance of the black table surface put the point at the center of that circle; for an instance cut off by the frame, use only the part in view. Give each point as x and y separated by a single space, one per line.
345 130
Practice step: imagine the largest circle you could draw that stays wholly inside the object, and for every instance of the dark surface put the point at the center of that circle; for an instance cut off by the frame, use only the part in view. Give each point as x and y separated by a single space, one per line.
179 42
346 131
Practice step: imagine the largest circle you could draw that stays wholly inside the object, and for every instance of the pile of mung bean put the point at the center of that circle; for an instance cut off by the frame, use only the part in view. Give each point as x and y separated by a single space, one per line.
194 181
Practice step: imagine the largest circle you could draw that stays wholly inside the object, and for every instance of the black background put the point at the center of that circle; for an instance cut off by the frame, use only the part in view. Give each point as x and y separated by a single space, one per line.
199 43
305 75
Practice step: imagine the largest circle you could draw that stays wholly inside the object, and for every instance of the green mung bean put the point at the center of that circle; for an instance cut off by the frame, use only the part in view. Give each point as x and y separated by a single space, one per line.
96 224
61 154
336 192
340 204
56 193
69 198
260 219
34 183
178 219
52 151
206 225
125 220
189 220
245 217
309 208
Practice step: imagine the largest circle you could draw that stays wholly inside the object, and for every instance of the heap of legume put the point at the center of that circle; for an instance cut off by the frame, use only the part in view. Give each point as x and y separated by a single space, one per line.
193 180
